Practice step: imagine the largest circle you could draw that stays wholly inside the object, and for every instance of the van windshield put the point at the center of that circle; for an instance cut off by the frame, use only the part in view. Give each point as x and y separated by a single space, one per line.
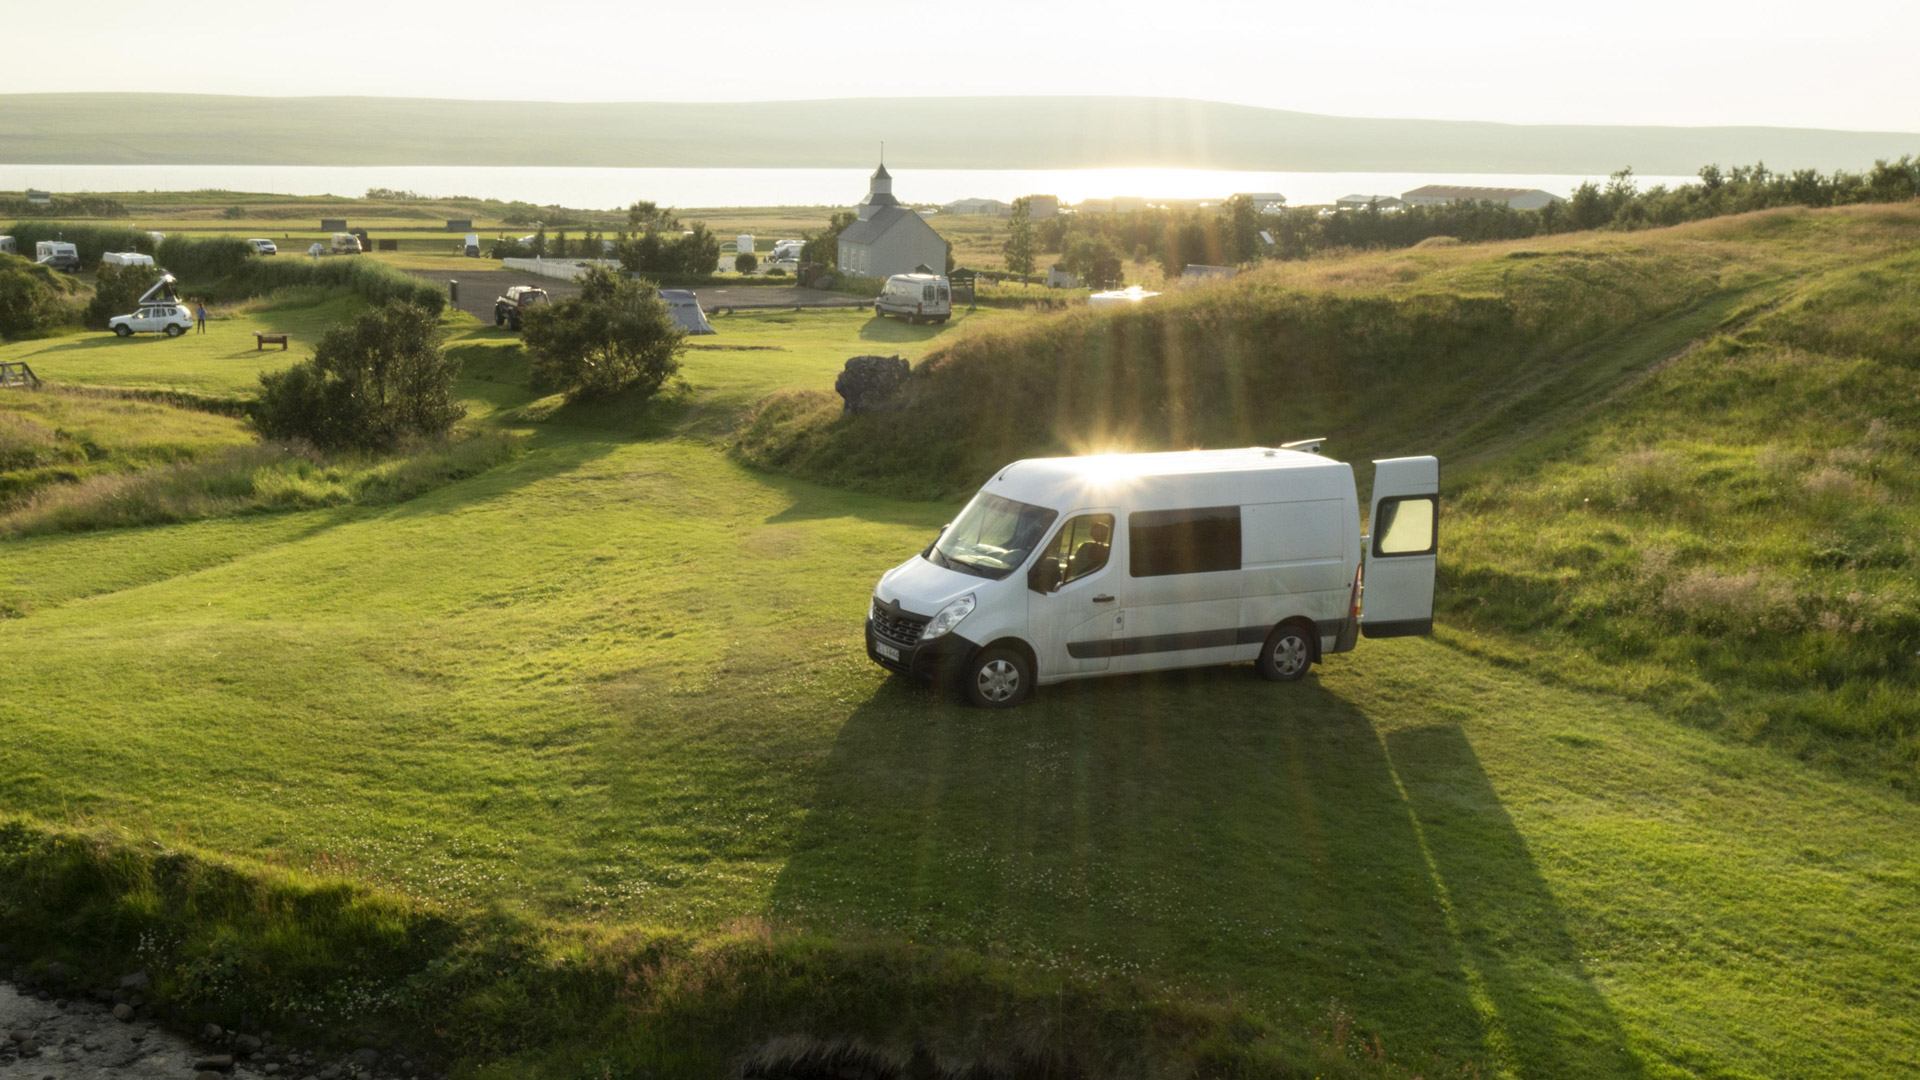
992 537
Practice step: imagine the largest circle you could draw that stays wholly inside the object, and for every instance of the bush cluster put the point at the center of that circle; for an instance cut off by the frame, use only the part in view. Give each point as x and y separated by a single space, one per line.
207 259
376 281
65 206
617 335
33 299
370 385
116 290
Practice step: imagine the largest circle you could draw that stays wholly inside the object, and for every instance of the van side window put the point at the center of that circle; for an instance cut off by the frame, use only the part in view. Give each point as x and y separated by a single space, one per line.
1082 545
1407 526
944 295
1202 541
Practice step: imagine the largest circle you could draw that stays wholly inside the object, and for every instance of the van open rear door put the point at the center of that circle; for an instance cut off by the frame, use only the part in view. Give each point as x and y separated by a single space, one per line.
1403 548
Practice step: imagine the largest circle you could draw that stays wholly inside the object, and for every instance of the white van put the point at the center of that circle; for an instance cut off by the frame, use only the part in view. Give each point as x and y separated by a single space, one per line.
471 246
58 254
126 258
263 246
916 297
345 243
1070 568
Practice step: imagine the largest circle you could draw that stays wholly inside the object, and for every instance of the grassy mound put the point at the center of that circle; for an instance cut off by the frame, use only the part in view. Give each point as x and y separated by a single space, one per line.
1683 461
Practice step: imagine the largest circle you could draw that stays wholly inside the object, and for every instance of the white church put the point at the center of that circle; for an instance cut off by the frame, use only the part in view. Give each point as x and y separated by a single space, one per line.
889 238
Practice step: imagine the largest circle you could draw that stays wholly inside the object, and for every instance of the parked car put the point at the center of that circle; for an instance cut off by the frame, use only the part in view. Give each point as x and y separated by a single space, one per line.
916 297
160 312
345 244
263 246
58 254
1077 567
508 309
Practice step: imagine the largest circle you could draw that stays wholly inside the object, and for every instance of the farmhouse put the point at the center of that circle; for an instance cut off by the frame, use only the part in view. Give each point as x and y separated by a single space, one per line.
39 198
888 238
1442 194
1042 206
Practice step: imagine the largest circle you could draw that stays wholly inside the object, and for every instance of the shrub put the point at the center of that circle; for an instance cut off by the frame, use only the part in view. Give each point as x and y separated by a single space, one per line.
33 299
506 247
378 282
370 384
116 290
204 259
746 262
616 335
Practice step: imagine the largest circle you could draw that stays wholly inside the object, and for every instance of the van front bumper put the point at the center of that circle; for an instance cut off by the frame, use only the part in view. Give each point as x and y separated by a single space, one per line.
929 661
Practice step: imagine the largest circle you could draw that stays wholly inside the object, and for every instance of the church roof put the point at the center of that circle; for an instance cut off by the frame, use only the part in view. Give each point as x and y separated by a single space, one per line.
881 173
883 219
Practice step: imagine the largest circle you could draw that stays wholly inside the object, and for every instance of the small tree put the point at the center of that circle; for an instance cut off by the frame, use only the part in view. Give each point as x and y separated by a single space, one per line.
371 384
824 247
746 262
1021 247
116 290
539 243
617 335
559 246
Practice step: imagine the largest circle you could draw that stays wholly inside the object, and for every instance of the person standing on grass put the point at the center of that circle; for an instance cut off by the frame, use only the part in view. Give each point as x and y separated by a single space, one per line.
200 315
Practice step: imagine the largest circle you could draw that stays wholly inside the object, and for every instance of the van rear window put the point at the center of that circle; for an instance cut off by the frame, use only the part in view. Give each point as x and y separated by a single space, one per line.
1199 541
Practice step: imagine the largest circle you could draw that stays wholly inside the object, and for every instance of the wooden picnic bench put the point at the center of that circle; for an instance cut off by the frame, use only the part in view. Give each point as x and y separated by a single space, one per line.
261 340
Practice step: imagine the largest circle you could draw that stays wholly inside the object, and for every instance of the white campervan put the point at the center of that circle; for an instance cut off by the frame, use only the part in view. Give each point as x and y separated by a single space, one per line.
1069 568
263 246
916 297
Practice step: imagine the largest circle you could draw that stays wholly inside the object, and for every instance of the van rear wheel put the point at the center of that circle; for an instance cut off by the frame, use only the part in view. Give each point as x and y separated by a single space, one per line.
1287 654
998 678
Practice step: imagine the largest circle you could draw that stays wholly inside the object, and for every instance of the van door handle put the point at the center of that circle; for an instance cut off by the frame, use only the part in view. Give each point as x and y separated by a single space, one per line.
1103 599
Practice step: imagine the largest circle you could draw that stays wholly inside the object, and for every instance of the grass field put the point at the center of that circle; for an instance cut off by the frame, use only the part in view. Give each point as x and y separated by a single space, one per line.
617 681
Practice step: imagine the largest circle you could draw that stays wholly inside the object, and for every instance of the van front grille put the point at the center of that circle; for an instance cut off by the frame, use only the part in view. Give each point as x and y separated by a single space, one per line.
899 628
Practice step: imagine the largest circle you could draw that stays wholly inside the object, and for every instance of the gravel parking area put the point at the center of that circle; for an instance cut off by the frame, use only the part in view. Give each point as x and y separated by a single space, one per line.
480 287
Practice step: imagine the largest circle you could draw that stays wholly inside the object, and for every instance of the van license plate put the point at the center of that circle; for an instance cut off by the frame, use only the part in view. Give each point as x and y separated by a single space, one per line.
887 651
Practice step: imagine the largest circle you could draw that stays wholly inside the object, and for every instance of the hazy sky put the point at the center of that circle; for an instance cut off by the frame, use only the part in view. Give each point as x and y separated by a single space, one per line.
1842 63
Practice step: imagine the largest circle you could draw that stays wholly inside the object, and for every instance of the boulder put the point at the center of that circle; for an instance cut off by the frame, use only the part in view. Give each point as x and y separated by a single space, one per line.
871 383
123 1012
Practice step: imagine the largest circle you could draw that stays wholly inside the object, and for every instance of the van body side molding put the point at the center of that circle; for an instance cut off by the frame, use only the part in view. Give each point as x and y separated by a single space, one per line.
1191 639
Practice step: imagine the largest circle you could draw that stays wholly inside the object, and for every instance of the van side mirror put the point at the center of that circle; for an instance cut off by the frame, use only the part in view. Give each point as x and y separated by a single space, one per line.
1045 575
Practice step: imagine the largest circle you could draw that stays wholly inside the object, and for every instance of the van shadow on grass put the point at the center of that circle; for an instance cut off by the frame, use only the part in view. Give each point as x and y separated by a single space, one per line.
895 330
1255 842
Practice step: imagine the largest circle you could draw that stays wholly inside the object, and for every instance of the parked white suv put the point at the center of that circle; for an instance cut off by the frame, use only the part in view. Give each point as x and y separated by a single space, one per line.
171 319
263 247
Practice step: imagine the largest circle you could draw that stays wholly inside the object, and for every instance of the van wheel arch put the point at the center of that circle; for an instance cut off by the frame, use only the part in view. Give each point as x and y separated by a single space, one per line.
1278 661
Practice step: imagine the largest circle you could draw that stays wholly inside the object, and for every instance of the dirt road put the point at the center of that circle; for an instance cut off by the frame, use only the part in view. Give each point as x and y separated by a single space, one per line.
480 286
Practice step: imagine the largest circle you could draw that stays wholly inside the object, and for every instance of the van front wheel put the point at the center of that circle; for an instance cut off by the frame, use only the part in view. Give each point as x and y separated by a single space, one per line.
998 678
1287 654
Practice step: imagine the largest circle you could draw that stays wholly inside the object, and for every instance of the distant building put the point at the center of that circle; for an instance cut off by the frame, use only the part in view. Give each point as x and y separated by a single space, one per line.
1265 202
1361 202
888 238
40 197
1442 194
459 224
1127 204
1059 277
976 206
1043 206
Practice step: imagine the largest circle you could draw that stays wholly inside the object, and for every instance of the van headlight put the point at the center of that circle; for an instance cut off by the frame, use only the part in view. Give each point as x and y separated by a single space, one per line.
948 617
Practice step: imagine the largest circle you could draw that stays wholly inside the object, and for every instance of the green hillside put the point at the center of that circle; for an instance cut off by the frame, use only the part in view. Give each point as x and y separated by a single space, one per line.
1681 461
921 132
575 767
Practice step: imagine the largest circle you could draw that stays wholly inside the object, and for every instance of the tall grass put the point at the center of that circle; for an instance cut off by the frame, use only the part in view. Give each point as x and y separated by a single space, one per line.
252 478
333 963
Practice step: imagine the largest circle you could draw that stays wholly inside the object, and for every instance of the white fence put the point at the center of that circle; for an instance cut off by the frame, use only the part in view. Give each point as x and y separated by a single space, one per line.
563 269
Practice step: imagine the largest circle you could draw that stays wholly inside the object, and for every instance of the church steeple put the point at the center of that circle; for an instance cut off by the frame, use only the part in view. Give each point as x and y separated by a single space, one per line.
879 193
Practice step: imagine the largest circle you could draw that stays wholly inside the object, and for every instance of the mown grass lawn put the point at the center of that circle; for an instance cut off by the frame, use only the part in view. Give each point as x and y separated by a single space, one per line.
619 679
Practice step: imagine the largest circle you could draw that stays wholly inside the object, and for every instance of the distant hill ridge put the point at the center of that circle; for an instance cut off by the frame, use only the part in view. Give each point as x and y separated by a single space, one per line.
951 133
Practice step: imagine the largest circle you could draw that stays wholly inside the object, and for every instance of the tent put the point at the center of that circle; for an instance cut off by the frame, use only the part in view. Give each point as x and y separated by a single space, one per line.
686 310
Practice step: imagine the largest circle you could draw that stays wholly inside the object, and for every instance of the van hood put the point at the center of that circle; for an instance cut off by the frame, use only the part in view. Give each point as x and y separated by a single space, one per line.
923 588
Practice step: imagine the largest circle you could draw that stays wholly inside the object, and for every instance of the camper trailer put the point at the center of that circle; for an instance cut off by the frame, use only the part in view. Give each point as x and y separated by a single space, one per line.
1078 567
126 258
916 297
8 247
58 254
